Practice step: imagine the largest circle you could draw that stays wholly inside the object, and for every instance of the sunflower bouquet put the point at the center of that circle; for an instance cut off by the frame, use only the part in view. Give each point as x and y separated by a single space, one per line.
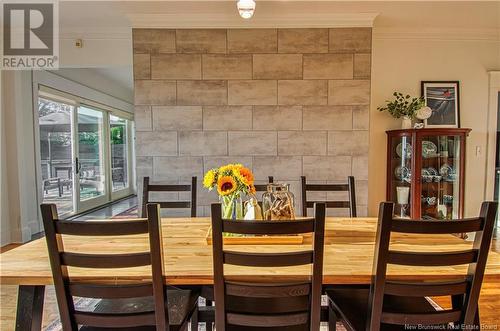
231 181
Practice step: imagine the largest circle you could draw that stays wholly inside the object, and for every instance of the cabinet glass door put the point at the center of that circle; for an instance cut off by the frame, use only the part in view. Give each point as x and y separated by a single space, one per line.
401 166
440 189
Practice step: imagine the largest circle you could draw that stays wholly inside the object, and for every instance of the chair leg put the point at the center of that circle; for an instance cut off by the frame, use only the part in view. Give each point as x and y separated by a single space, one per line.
332 319
194 320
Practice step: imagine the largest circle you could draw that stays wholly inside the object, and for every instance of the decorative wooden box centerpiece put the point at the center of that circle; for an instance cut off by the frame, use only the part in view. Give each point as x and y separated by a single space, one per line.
232 182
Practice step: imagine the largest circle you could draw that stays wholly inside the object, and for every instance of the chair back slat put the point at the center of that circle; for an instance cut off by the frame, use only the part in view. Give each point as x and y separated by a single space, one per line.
267 260
268 305
349 188
60 258
429 259
268 227
102 228
434 318
464 293
425 289
263 187
148 188
114 320
174 204
332 204
438 227
110 291
105 261
261 291
267 321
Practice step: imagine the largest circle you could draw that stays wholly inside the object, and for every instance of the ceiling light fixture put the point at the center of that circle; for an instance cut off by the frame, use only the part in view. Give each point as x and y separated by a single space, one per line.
246 8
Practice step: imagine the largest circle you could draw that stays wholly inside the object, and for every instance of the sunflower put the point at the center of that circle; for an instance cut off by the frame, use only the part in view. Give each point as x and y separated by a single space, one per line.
209 179
226 185
247 176
230 168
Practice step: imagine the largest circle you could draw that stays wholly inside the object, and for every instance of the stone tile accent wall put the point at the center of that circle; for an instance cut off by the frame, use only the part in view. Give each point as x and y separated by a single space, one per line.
285 102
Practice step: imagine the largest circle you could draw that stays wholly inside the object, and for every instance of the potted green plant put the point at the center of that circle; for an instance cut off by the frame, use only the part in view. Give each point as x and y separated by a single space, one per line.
404 107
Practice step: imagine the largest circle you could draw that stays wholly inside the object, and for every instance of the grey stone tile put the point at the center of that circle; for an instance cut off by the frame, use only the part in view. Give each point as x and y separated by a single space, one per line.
302 143
361 117
327 167
302 40
252 143
277 117
349 92
252 40
360 167
177 118
154 92
252 92
302 92
282 168
277 66
328 66
348 142
362 65
177 167
327 118
200 143
227 66
156 143
142 118
207 92
142 66
227 118
201 41
153 41
144 168
350 40
176 66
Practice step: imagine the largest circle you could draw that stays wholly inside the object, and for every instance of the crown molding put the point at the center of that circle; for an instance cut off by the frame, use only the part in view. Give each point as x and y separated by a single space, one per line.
284 20
438 34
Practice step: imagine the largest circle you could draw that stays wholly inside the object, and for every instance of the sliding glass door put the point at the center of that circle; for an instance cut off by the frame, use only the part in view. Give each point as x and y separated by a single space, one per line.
57 148
90 160
85 154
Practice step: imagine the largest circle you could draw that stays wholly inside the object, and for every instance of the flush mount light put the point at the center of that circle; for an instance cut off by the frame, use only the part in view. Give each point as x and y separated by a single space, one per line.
246 8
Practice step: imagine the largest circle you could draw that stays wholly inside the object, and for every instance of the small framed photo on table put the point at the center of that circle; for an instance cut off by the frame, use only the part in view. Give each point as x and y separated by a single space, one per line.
443 98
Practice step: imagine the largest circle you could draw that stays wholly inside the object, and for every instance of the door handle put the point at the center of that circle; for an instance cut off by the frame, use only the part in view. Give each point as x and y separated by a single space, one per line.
78 166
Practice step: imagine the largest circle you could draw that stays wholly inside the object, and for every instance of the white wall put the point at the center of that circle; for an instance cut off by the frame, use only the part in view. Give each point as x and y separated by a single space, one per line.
5 234
400 62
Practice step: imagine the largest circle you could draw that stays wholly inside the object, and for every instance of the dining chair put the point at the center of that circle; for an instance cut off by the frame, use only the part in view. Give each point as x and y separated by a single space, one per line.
263 187
391 304
145 305
266 305
349 188
147 188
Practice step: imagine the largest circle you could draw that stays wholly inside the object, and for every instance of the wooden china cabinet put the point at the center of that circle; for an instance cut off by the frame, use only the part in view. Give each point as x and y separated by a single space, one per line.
426 172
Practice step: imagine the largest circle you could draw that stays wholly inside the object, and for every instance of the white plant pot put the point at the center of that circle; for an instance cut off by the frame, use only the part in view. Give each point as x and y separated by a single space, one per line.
406 123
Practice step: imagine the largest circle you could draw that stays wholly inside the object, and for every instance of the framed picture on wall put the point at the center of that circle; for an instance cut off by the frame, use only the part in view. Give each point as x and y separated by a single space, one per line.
443 98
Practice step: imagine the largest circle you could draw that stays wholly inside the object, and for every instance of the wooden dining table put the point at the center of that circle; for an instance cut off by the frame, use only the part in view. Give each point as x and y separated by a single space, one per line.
349 248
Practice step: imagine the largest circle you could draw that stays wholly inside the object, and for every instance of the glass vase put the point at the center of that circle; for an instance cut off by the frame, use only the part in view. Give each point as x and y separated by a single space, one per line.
232 207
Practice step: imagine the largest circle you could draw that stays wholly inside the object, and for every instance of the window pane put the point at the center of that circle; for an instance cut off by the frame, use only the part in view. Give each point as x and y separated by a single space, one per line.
90 153
119 152
56 147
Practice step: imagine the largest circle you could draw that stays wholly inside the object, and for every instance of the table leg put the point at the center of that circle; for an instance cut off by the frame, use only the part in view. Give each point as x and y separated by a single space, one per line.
30 308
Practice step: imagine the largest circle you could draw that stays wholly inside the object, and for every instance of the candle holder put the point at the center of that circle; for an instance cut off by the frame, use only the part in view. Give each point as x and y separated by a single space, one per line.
403 194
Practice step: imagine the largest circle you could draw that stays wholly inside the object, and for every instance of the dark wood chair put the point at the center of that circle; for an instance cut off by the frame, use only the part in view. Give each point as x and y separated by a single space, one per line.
263 187
147 188
145 306
395 305
349 187
266 305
